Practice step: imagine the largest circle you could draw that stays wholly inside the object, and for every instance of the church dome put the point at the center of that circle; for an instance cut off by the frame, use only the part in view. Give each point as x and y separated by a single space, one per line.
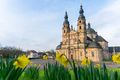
90 30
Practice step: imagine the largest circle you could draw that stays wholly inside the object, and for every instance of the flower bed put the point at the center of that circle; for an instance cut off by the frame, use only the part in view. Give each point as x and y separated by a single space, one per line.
16 69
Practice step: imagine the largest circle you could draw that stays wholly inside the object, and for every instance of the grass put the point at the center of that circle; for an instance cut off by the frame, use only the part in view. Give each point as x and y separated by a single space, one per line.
58 72
42 77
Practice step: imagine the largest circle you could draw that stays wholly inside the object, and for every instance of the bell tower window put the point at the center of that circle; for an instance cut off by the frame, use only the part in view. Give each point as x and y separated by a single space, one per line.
80 27
64 31
80 21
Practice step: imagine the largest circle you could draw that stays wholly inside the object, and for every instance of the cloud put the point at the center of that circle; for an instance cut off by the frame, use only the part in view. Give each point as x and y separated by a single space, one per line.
36 25
106 22
27 31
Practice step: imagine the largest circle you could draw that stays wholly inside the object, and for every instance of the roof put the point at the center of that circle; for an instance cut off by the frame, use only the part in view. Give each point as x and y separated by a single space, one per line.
66 19
90 30
66 22
88 40
81 16
33 51
94 44
100 39
41 53
59 46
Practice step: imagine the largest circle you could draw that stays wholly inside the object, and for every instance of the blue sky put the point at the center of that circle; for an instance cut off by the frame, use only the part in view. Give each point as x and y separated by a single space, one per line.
37 24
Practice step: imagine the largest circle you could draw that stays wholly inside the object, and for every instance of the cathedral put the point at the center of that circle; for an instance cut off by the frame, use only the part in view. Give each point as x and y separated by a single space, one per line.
82 42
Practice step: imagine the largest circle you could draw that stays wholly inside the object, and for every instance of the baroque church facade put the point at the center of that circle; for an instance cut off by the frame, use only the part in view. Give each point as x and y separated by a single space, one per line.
83 42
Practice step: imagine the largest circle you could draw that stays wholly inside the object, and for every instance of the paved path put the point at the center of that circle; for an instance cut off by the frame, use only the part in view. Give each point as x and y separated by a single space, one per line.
43 62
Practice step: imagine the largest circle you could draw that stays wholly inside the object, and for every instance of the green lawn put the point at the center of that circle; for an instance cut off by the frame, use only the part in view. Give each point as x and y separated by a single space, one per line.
42 76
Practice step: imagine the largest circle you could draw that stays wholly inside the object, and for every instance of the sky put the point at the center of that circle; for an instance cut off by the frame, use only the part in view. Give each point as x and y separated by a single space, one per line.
37 24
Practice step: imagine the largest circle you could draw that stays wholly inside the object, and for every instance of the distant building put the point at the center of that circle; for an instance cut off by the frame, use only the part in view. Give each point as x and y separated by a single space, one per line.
41 54
50 55
35 54
114 50
83 42
32 54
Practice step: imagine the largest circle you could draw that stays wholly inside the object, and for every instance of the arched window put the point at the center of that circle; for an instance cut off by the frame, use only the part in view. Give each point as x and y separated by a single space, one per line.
80 27
92 54
64 31
71 56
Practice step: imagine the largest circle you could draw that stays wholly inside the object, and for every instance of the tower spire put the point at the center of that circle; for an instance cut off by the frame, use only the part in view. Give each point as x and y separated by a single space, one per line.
66 19
66 15
81 12
89 25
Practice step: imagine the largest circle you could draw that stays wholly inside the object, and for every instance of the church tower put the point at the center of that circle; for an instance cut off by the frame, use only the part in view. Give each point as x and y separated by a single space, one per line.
65 30
82 35
81 26
66 25
66 35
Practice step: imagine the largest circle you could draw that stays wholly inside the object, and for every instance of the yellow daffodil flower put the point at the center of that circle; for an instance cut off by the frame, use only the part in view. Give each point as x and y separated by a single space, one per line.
85 62
58 56
45 57
97 65
61 58
30 63
21 62
116 58
37 65
64 61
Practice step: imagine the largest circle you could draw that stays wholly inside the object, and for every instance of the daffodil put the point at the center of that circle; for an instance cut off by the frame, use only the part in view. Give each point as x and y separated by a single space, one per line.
116 58
58 56
64 61
85 62
65 64
21 62
61 58
45 57
30 63
37 65
97 65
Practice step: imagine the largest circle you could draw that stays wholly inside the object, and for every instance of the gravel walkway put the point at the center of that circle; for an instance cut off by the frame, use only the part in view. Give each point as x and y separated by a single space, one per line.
43 62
